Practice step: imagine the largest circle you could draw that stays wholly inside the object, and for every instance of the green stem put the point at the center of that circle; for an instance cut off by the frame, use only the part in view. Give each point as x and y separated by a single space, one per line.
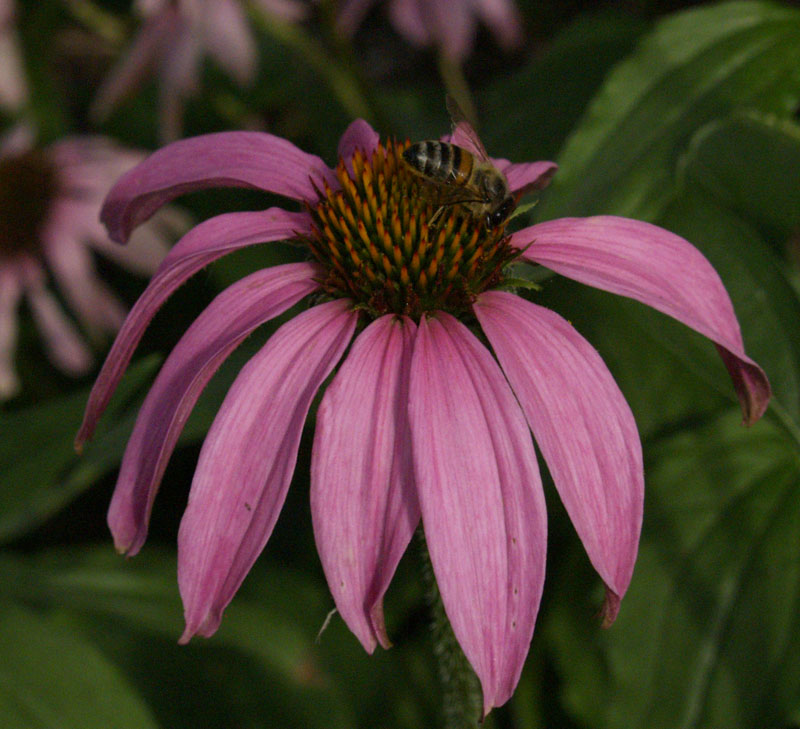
462 699
342 81
456 85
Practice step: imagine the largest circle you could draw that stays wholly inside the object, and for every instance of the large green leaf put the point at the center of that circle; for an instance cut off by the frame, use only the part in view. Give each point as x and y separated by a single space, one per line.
132 611
52 677
708 635
750 163
39 469
766 304
536 106
694 67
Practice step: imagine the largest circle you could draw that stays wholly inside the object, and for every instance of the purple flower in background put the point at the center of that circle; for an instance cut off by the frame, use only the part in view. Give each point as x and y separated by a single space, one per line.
172 42
448 24
420 422
13 86
49 204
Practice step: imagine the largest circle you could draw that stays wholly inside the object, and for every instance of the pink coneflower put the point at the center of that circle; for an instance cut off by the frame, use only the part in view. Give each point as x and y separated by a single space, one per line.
49 204
447 24
172 42
421 421
13 86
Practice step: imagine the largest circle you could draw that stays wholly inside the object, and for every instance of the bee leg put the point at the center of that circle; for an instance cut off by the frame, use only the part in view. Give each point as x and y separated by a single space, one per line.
435 216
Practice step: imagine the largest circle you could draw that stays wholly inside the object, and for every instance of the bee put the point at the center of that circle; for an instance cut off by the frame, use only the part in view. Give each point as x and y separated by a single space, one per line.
463 175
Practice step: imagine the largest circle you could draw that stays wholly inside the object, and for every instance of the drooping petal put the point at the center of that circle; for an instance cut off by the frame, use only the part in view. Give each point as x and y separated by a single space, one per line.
658 268
504 20
148 244
248 457
63 342
581 422
97 308
225 159
481 498
199 247
137 63
351 13
412 21
452 27
227 321
228 38
363 499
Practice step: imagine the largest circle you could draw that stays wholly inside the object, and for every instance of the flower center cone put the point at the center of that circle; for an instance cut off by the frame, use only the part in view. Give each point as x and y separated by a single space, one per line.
387 244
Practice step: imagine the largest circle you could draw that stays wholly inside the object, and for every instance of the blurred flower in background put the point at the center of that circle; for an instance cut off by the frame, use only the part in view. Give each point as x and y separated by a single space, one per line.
448 24
13 87
174 37
420 422
49 203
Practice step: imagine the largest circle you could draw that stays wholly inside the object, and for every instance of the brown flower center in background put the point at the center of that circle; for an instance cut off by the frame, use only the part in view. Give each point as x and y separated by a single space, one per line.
386 244
27 188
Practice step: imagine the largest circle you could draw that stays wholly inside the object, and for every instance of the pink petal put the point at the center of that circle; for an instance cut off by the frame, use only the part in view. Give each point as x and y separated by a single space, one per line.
481 497
228 38
350 15
581 422
227 321
137 63
64 343
504 20
658 268
411 21
199 247
363 499
359 135
96 306
525 177
248 457
233 159
178 78
453 27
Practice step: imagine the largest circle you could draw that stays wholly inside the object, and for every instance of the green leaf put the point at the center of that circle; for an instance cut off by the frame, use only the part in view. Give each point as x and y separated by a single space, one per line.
39 470
51 677
750 163
132 610
696 66
534 108
708 634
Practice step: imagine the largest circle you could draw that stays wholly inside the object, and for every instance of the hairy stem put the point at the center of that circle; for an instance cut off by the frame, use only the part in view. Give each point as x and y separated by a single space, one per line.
462 700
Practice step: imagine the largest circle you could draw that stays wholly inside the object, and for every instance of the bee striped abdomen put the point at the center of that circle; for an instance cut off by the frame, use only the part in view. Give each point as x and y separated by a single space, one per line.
440 162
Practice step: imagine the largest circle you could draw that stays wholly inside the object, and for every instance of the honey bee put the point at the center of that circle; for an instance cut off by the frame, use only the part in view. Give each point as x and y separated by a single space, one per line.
461 175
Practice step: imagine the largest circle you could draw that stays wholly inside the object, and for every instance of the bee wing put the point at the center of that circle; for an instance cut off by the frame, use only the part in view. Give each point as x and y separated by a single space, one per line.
464 135
440 194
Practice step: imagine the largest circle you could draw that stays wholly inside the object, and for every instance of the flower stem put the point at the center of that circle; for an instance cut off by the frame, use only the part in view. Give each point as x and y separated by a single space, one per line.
462 700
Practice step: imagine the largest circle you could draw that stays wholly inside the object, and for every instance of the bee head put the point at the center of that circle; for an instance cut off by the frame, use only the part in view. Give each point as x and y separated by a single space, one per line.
501 212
